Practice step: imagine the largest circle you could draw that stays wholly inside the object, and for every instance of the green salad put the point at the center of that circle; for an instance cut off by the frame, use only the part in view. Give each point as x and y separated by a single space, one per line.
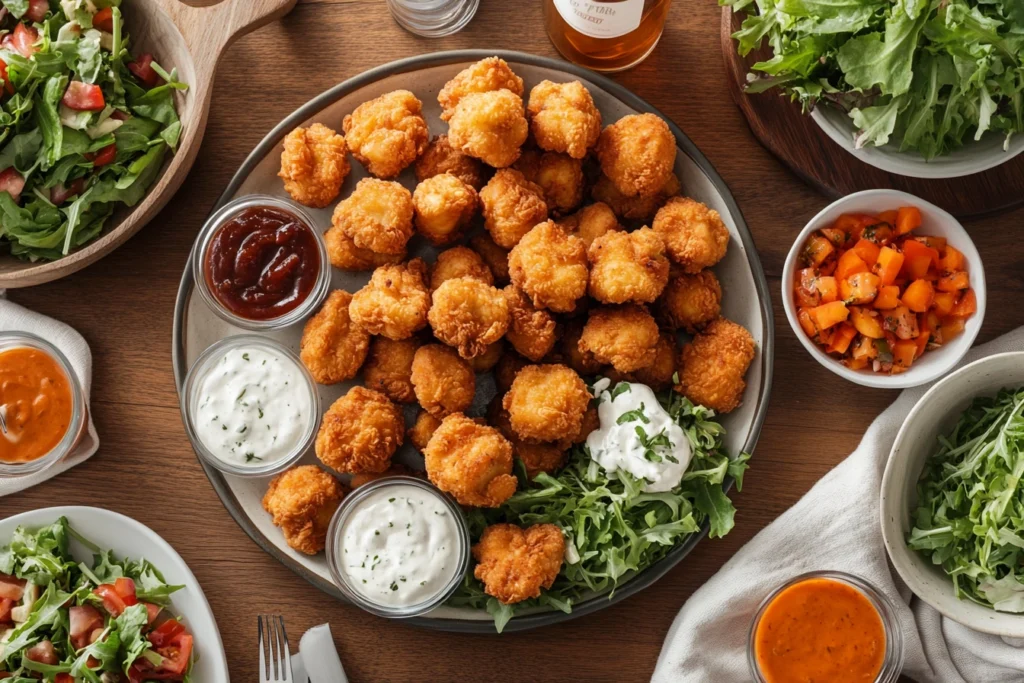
926 75
84 125
970 514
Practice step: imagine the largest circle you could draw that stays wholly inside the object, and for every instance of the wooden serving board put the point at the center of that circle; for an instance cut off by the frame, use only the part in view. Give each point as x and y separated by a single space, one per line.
800 144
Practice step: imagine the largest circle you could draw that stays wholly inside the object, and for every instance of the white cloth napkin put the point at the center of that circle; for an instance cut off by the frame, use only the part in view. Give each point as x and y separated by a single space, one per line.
834 526
317 660
15 318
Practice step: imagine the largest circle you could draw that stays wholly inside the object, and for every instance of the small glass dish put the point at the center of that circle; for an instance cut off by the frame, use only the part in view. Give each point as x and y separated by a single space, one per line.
79 412
334 549
892 662
230 210
190 408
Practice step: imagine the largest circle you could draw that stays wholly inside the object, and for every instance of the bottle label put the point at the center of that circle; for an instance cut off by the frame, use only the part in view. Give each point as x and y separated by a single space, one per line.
602 19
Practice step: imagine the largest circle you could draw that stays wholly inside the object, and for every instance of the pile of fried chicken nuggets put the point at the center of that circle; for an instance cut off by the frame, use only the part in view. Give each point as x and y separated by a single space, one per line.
547 293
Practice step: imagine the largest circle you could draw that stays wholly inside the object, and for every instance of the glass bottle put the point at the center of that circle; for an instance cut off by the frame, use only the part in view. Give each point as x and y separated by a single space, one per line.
433 18
605 35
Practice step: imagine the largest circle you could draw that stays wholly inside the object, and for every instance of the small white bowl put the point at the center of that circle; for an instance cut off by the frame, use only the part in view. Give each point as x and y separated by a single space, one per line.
936 413
933 364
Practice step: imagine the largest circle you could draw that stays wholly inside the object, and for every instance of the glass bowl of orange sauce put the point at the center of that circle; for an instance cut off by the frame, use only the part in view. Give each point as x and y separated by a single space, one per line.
826 626
41 403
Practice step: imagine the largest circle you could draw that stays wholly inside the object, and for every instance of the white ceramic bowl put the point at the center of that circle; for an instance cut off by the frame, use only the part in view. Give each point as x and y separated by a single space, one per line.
936 413
935 221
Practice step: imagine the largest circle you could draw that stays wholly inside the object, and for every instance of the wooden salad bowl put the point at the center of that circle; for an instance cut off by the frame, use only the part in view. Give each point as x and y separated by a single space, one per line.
191 39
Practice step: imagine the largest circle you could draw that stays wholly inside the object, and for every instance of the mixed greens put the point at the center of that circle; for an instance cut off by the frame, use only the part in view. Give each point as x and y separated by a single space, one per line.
927 74
970 514
83 126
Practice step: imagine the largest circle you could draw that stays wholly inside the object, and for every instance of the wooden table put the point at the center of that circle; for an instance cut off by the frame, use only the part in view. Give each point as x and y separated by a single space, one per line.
146 469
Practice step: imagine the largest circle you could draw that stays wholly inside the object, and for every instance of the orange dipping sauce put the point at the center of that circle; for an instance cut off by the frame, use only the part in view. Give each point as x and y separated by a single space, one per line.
820 630
36 397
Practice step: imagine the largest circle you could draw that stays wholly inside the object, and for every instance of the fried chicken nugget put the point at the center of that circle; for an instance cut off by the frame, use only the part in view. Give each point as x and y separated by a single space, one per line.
559 175
657 375
388 368
444 382
486 75
468 314
537 457
713 364
494 256
690 301
458 262
314 165
376 216
360 432
422 429
637 208
583 362
395 301
512 205
531 331
471 461
627 266
440 157
547 402
333 348
550 265
489 126
563 118
486 361
506 370
343 253
387 133
302 500
396 470
624 336
444 207
695 236
591 222
637 153
514 564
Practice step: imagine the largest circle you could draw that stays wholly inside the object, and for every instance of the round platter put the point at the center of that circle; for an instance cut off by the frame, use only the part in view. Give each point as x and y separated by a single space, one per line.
746 299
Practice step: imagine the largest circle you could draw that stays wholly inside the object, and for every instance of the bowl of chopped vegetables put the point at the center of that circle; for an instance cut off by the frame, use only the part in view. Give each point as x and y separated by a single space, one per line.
951 500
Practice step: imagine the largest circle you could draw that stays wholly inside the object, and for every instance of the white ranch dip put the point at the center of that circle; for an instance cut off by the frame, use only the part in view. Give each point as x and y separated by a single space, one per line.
638 436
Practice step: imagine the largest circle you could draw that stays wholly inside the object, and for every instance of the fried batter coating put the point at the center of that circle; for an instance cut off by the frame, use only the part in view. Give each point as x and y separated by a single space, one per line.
396 470
550 265
537 457
343 253
486 75
388 368
469 315
376 216
546 403
512 205
471 461
387 133
633 208
591 222
559 175
444 382
333 348
712 366
583 362
440 157
444 206
657 375
486 361
459 262
690 301
627 266
395 301
622 336
494 256
531 331
563 118
422 429
302 501
637 153
506 370
695 236
360 432
489 126
514 564
314 165
591 421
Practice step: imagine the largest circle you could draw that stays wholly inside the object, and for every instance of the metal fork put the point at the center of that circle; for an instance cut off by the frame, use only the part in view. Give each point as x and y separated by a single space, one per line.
275 657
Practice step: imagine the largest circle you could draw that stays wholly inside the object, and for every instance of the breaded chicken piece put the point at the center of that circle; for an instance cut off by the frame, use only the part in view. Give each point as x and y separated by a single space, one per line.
514 564
494 256
591 222
712 366
395 301
314 165
302 500
459 262
343 253
690 301
489 126
443 206
376 216
537 457
550 266
512 205
422 429
506 370
531 331
563 118
657 375
486 75
333 348
591 421
387 133
559 175
440 157
444 382
627 266
583 362
471 461
637 153
622 336
486 361
638 208
360 432
546 403
388 368
396 470
468 314
695 236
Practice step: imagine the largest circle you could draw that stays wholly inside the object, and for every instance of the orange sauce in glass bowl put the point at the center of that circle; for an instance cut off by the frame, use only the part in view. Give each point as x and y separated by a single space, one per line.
36 398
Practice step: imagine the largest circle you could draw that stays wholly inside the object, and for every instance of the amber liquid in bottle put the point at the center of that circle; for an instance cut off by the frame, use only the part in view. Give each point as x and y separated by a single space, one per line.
605 35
